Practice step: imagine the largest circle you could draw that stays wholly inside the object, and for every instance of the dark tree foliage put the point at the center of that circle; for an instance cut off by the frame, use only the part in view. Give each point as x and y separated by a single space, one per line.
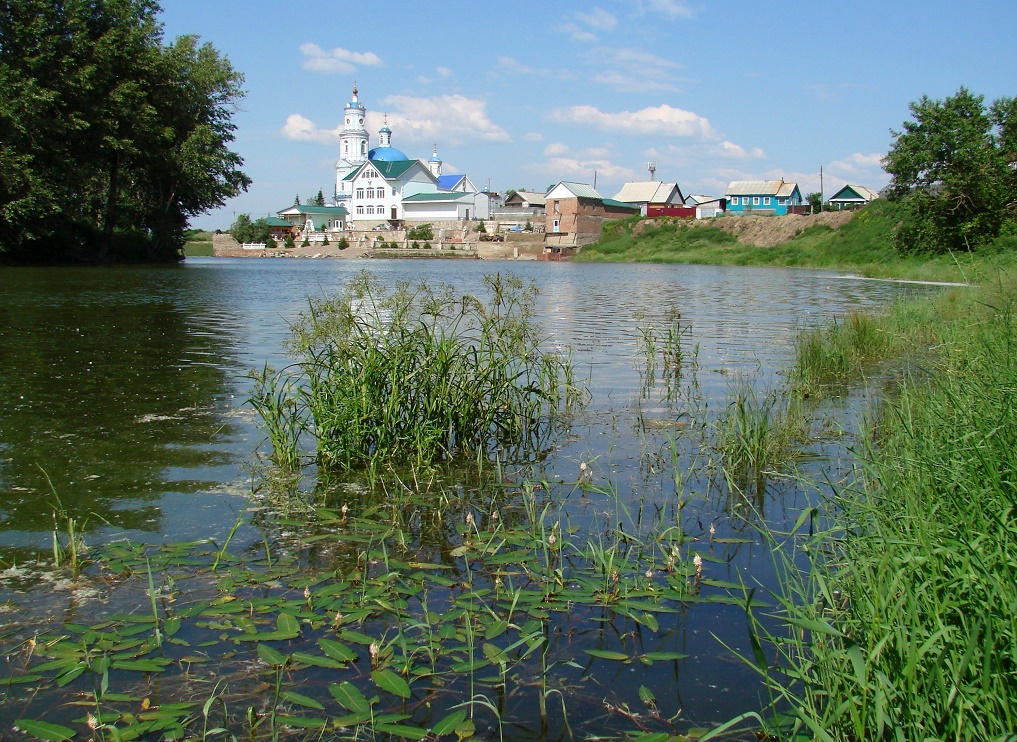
110 140
952 170
318 200
245 230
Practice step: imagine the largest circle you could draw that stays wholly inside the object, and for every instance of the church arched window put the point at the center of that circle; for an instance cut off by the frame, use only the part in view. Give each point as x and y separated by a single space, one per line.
346 148
363 148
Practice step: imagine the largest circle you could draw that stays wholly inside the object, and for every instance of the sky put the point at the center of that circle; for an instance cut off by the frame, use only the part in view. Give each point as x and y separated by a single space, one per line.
522 95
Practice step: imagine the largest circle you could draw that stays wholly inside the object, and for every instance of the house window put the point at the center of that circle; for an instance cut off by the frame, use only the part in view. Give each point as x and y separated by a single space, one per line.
370 193
360 193
370 209
556 223
557 210
394 192
766 200
360 210
755 200
781 201
734 200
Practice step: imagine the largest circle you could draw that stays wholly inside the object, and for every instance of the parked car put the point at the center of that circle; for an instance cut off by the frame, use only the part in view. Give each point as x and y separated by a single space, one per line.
380 227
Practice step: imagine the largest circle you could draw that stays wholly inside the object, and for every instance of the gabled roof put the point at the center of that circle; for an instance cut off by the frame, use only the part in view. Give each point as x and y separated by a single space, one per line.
531 197
388 169
758 188
449 182
699 198
579 190
327 210
274 221
647 192
855 193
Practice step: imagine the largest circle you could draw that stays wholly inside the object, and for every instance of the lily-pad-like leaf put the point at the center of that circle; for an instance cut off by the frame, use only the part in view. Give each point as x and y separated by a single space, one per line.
44 730
388 680
337 650
302 700
271 656
287 624
606 654
449 723
350 697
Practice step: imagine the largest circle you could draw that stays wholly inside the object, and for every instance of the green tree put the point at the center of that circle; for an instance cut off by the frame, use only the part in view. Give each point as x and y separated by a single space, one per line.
109 140
950 169
296 200
815 200
318 200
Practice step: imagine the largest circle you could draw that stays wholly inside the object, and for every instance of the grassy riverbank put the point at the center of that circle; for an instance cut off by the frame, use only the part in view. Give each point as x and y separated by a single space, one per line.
902 627
863 245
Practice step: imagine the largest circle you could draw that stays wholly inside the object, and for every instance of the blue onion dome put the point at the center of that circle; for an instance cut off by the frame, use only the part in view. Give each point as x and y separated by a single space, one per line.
386 154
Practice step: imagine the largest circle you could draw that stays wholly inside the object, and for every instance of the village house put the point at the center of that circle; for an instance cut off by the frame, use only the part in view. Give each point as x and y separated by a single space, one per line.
575 213
651 193
767 197
852 197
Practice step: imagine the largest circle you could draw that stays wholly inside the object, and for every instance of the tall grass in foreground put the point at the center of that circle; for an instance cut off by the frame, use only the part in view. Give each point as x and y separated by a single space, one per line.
905 625
417 373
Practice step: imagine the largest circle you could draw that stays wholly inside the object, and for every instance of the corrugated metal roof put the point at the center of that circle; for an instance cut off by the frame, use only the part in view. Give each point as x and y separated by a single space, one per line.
531 197
580 190
619 204
786 190
756 187
866 193
448 182
646 192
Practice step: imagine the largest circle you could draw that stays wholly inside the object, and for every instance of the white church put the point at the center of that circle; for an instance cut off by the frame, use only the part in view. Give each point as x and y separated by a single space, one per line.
382 184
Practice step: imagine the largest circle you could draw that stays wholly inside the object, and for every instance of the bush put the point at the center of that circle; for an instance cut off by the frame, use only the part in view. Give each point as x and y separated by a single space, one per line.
288 241
342 243
325 241
306 242
420 232
270 243
481 228
419 374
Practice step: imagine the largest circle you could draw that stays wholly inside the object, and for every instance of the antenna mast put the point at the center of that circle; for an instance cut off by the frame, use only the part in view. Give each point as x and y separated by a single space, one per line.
652 167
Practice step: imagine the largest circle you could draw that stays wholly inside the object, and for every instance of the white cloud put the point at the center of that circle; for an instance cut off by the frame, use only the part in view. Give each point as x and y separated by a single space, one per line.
634 70
576 32
736 151
337 61
567 168
443 71
599 19
669 8
533 136
859 163
555 149
448 119
515 67
300 129
661 120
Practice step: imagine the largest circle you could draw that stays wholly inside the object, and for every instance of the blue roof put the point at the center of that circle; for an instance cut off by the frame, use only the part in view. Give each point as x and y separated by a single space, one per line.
386 154
448 182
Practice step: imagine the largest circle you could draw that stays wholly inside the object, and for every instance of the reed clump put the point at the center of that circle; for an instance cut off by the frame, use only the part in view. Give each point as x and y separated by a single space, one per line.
903 626
419 374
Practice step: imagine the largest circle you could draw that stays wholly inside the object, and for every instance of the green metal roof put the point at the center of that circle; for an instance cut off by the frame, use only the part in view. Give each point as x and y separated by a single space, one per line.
437 197
388 169
274 221
619 204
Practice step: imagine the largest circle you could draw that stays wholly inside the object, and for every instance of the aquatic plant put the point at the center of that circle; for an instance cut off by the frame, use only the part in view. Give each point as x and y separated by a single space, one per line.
896 620
417 373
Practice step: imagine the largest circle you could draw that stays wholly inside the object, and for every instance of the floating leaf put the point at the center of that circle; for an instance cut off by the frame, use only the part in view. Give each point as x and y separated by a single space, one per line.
336 650
646 696
44 730
271 656
605 654
388 680
664 656
302 700
141 665
301 722
316 661
401 730
449 723
350 697
287 624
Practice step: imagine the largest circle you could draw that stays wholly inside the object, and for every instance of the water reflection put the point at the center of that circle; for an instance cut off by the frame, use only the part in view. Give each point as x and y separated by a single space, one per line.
114 387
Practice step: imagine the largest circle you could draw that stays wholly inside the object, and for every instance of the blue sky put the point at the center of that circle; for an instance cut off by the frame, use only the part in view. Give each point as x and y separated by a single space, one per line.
525 94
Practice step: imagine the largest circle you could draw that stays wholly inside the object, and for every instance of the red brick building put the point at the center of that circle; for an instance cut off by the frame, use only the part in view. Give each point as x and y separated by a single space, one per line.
574 213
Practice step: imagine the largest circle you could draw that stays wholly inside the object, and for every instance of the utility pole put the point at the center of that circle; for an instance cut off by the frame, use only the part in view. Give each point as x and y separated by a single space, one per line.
821 188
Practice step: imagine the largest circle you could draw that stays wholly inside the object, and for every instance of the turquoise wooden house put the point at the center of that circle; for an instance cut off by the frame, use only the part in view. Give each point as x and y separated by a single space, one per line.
852 197
766 197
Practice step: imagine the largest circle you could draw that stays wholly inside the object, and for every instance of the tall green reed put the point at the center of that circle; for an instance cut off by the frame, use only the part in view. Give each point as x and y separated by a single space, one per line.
900 625
419 374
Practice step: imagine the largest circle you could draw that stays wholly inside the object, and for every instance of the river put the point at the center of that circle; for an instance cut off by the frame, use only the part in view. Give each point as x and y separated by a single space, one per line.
123 406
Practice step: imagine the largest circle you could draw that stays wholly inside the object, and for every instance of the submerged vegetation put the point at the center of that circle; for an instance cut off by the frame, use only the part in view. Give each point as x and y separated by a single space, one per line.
418 374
